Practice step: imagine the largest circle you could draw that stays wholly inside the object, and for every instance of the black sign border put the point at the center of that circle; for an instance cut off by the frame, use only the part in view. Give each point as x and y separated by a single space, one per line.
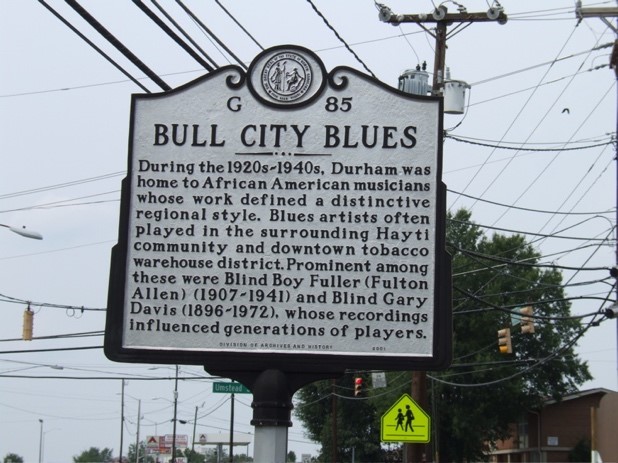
241 364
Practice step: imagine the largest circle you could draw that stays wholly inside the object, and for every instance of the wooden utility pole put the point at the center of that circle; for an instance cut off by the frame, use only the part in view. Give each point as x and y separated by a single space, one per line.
604 14
416 453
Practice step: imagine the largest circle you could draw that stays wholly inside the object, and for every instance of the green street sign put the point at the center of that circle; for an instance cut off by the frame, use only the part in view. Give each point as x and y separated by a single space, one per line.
228 388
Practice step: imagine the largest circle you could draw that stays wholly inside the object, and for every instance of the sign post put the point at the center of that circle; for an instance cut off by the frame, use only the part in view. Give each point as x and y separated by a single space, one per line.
281 225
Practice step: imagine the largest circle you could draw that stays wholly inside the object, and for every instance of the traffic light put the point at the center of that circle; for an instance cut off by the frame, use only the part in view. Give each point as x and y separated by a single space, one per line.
504 341
358 387
26 334
527 322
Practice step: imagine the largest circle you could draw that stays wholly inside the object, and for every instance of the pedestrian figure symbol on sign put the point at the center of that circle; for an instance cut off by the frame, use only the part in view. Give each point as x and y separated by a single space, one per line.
400 418
409 418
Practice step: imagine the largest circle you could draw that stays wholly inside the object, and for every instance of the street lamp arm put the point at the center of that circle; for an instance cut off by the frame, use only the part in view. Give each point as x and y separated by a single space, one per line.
23 231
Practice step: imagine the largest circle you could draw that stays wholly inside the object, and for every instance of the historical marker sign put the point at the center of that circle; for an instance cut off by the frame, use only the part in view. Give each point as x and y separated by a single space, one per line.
283 217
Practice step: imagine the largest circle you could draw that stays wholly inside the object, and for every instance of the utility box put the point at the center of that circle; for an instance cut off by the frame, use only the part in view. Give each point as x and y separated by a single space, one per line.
455 96
415 82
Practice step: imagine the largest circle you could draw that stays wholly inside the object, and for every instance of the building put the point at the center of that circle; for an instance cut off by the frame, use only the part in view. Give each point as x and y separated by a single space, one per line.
585 419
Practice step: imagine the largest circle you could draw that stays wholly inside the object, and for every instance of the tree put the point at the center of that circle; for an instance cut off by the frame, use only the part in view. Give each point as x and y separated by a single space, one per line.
485 392
475 400
353 431
211 456
94 455
291 457
13 458
194 457
581 451
143 456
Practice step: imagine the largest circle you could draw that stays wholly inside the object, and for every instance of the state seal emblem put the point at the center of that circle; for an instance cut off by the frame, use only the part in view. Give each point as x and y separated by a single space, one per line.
286 76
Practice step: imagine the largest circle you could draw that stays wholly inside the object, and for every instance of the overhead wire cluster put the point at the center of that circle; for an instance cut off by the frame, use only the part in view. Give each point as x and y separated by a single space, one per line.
169 23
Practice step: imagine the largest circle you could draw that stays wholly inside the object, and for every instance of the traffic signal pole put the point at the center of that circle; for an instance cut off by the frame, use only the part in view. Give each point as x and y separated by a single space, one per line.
442 19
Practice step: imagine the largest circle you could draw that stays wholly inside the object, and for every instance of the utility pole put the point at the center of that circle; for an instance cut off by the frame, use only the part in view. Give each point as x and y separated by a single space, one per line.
603 14
194 428
232 428
442 19
121 421
139 415
175 417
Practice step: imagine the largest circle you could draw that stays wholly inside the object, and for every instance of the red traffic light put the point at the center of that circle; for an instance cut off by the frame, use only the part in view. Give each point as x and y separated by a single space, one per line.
358 386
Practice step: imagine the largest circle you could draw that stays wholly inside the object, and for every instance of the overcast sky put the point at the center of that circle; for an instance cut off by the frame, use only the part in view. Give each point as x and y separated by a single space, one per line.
539 81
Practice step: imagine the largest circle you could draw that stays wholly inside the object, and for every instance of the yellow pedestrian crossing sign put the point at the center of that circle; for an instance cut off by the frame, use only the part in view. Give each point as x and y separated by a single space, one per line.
405 421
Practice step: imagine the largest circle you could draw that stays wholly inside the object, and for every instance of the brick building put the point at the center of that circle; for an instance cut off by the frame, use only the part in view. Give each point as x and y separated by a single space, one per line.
551 433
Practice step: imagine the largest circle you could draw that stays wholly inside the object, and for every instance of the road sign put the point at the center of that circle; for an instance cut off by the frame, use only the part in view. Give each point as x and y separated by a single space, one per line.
182 440
225 387
152 442
405 421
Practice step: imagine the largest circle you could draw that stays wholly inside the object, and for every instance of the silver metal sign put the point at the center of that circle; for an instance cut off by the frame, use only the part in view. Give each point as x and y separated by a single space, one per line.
283 213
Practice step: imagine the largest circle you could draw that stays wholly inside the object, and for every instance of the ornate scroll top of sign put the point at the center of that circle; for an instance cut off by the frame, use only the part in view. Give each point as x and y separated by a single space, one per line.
281 215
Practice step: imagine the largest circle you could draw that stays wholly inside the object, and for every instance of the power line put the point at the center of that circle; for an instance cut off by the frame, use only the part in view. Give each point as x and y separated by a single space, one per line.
525 264
170 33
210 33
238 24
519 232
61 185
89 42
536 179
512 123
546 63
14 300
69 248
526 209
117 44
319 13
183 32
62 202
539 363
542 150
86 334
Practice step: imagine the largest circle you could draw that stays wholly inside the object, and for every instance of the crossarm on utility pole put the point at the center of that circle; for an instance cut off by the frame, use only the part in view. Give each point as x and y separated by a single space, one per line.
442 18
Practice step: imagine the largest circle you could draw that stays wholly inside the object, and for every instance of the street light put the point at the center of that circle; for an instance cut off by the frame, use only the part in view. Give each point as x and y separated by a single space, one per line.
41 441
195 426
139 417
175 416
23 231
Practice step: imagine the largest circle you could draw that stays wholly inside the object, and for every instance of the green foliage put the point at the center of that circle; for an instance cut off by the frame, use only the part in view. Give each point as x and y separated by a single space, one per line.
94 455
493 278
212 457
581 451
194 457
143 457
475 400
356 420
13 458
291 458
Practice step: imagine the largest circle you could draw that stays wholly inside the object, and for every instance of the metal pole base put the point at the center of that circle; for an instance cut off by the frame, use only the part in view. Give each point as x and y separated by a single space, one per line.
271 444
